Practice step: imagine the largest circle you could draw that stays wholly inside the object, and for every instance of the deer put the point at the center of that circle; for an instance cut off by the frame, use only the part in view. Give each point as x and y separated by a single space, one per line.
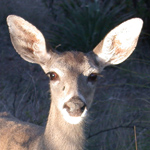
73 77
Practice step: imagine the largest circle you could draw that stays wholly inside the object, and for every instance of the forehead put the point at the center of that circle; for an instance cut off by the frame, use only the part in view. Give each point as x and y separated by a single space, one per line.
70 57
71 61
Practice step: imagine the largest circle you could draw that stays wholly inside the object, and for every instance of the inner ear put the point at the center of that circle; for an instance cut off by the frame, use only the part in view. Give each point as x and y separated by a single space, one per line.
119 43
27 40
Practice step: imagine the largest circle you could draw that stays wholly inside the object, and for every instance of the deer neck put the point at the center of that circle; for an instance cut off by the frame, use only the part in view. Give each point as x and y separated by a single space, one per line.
61 135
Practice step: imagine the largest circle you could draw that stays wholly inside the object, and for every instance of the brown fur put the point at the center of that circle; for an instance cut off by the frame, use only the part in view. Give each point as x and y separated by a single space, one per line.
73 70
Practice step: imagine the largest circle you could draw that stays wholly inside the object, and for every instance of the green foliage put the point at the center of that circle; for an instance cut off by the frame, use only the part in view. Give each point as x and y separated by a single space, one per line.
82 25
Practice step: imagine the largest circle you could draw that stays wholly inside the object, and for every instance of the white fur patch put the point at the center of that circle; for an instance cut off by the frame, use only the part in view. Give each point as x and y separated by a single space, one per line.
66 116
73 120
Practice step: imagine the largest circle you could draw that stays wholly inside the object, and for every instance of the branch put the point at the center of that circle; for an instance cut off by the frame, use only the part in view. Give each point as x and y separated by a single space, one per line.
117 127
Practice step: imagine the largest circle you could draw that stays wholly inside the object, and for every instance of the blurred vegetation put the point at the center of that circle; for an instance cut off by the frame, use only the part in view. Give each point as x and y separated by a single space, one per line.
122 99
81 25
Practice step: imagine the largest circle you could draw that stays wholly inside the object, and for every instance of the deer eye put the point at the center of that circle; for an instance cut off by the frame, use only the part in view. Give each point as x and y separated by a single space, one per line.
53 75
92 77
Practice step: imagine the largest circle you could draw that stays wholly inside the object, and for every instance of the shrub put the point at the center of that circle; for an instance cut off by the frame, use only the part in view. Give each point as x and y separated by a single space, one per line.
84 24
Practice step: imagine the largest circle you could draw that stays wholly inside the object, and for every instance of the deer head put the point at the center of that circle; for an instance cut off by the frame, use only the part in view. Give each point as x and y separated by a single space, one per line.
73 74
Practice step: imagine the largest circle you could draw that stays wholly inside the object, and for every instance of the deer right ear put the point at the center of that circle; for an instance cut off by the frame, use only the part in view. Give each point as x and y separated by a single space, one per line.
27 40
119 43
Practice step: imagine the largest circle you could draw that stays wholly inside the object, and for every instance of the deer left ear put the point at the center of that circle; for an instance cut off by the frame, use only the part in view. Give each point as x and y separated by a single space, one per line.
119 43
27 40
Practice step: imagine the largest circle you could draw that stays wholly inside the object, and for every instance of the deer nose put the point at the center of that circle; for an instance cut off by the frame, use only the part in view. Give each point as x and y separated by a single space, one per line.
75 107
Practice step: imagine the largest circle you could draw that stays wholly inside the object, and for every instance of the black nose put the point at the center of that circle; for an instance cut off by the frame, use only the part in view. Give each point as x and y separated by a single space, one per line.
75 107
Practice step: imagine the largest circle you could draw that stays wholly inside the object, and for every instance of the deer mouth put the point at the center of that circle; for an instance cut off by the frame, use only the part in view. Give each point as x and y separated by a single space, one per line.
74 110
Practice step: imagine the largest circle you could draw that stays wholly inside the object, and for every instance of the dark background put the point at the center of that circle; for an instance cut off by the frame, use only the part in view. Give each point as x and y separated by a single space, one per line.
122 101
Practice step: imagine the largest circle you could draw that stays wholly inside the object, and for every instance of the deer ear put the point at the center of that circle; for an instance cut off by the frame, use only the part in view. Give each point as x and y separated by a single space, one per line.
119 43
27 40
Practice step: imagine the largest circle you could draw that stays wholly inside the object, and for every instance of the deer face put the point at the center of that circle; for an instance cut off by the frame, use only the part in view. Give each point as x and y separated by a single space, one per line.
73 78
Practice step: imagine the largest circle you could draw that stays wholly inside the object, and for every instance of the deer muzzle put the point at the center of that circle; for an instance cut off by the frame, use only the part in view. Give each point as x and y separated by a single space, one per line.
75 107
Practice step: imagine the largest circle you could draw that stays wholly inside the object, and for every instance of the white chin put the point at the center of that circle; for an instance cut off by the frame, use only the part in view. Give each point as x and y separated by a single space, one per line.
73 120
